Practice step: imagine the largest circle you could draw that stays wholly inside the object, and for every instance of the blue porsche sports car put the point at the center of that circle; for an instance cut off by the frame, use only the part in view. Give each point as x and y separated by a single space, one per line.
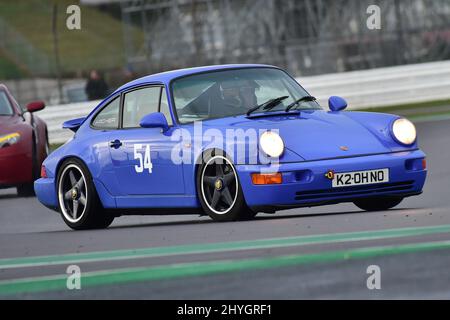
227 141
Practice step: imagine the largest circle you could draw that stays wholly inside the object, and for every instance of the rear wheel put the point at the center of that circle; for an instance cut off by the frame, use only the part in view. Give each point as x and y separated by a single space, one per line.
377 204
78 201
219 190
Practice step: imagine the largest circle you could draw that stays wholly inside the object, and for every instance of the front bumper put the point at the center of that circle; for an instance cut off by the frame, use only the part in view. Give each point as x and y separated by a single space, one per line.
305 184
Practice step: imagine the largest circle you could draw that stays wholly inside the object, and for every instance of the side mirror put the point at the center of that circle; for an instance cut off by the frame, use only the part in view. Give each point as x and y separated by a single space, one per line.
35 106
337 103
155 120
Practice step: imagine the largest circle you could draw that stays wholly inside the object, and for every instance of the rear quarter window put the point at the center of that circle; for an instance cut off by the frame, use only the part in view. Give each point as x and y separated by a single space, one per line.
108 117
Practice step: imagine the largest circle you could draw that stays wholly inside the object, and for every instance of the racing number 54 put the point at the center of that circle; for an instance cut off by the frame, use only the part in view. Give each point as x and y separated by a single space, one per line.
145 161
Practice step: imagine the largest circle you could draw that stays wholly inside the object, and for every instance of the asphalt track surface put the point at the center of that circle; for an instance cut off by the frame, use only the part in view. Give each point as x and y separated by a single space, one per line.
307 253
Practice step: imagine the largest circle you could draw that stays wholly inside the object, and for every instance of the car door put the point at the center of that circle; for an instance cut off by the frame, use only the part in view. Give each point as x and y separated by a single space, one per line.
141 157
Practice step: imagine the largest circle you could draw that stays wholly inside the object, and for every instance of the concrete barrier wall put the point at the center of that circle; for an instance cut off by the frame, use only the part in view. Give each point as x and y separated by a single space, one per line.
54 116
384 86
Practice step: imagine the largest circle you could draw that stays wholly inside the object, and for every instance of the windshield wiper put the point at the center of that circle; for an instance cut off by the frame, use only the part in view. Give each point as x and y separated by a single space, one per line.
268 104
302 99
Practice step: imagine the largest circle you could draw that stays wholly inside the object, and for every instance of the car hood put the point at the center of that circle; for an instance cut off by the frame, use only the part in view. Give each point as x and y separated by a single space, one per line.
314 135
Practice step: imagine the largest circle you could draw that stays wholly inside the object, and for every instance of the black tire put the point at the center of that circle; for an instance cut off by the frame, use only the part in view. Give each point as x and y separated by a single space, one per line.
25 190
221 209
89 212
377 204
248 214
47 146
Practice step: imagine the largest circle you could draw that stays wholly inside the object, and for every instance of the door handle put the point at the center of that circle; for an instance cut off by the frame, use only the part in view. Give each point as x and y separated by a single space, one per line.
115 144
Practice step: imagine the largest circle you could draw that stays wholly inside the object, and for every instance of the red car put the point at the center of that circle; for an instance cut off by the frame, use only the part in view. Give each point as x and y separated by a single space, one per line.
23 143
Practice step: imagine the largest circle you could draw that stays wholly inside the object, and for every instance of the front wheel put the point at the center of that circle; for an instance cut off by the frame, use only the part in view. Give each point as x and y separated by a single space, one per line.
219 190
377 204
78 201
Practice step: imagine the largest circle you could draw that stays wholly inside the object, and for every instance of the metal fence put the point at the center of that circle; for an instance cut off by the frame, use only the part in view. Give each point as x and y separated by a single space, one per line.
22 52
306 37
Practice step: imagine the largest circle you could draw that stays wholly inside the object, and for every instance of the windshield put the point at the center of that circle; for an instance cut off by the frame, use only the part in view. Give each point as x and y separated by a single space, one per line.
5 106
234 92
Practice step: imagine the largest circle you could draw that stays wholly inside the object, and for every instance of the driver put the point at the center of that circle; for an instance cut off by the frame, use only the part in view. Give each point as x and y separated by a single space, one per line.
238 94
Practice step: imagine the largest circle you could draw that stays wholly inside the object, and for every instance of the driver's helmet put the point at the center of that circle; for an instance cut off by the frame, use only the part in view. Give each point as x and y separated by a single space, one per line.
239 93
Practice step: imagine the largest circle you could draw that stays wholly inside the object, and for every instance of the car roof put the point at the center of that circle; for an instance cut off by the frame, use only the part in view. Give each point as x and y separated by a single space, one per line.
166 77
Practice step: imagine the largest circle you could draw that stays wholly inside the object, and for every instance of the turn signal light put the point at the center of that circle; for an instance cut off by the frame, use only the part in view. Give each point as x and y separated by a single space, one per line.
43 172
424 164
266 178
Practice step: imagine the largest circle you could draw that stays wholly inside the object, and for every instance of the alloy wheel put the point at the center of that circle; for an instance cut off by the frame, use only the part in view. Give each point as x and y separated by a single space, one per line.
72 193
219 185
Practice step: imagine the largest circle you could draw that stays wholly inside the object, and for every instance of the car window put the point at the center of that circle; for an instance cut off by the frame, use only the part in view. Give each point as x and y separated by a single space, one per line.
227 93
5 106
139 103
164 108
108 117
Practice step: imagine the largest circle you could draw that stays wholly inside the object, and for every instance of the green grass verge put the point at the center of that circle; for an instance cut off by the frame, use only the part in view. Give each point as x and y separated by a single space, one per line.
99 43
55 146
8 69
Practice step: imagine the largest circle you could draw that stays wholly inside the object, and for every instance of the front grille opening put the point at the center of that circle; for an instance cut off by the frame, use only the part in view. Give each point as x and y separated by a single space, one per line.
365 190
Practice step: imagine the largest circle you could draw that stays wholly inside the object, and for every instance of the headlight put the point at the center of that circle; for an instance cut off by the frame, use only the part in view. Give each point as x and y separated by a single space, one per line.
404 131
9 139
272 144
